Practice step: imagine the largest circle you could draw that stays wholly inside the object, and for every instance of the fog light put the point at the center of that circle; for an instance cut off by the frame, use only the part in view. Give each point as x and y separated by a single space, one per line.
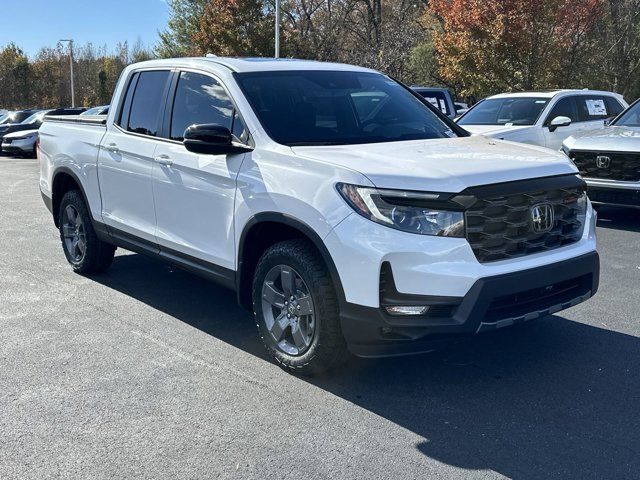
406 310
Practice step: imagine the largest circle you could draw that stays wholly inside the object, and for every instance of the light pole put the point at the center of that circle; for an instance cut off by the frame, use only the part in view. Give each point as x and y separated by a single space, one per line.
277 28
73 93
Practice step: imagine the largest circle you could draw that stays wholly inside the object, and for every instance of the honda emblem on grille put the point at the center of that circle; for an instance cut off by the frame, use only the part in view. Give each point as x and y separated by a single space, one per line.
542 218
602 161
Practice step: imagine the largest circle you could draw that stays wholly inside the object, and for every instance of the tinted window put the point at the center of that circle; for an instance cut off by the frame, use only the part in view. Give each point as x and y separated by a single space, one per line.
36 117
201 99
630 118
505 111
19 117
144 116
565 107
613 106
436 98
591 108
315 107
126 105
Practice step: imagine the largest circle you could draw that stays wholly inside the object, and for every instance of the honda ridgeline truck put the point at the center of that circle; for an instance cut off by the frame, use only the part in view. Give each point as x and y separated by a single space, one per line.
347 213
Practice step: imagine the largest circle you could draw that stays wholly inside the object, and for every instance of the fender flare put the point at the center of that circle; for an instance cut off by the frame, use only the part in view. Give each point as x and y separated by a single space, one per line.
99 227
310 233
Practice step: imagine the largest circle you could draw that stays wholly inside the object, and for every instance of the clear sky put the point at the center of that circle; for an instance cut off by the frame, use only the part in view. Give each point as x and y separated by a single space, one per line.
32 24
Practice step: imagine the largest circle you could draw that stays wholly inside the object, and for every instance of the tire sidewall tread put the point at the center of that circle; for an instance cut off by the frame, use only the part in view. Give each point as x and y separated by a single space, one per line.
328 348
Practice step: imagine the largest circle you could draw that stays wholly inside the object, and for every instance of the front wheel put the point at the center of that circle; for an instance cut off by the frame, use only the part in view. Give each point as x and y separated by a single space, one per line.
296 309
84 250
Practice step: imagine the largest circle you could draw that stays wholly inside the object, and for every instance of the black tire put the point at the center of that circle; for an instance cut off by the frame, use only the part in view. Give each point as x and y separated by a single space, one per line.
327 348
98 255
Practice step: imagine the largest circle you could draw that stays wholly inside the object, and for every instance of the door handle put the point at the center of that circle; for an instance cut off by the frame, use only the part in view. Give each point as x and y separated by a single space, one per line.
163 160
112 147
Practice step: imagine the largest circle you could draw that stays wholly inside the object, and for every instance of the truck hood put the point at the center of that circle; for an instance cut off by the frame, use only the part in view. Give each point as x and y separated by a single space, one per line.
443 165
494 131
608 139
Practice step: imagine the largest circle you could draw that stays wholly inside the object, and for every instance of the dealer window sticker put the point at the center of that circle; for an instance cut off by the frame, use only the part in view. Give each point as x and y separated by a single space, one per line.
596 107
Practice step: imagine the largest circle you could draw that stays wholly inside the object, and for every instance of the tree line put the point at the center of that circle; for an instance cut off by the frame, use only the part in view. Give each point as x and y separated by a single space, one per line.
473 47
44 80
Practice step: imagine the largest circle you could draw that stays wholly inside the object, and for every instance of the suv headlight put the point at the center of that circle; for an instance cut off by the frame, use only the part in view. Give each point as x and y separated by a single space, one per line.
28 136
412 212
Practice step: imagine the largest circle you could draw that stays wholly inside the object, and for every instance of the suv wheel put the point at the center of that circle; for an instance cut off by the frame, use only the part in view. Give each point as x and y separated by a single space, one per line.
296 309
84 251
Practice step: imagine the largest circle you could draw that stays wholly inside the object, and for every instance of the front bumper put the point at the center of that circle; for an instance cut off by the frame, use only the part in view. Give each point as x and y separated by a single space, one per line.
613 192
491 303
19 146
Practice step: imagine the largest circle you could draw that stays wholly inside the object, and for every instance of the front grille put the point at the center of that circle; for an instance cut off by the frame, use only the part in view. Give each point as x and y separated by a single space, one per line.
622 166
500 226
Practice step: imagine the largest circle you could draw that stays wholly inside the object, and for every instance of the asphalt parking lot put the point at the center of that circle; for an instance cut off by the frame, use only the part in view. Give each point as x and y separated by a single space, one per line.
150 372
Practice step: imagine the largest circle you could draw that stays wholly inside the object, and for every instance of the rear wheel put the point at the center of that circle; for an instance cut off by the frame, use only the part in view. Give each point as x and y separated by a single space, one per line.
84 250
296 309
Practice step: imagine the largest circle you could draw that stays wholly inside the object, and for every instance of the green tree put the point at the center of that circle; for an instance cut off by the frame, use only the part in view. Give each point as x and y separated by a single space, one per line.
184 23
15 77
235 28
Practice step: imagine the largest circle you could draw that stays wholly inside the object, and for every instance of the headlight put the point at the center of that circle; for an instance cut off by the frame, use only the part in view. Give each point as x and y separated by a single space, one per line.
26 137
412 212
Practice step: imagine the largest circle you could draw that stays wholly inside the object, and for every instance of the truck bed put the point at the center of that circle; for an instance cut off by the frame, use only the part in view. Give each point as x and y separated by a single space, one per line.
82 119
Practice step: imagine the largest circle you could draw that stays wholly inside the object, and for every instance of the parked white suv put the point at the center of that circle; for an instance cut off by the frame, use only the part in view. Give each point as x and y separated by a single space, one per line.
541 118
346 212
609 159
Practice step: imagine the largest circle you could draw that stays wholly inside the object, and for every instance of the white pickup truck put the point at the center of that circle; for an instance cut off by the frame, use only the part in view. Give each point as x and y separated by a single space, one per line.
346 212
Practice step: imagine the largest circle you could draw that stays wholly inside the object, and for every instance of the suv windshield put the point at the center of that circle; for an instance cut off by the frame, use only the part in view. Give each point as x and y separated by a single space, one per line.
630 118
505 111
317 107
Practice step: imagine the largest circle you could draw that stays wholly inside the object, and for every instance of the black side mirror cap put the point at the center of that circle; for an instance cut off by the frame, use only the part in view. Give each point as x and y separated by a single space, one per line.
212 139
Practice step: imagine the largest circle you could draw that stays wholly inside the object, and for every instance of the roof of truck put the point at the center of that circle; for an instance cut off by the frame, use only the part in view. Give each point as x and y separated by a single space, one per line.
259 64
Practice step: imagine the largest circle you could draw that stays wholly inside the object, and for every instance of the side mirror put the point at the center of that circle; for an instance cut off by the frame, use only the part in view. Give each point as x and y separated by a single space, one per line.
607 121
559 122
212 139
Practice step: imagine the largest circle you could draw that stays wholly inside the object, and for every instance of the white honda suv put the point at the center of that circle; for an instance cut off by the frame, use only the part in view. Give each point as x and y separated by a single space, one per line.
542 118
347 213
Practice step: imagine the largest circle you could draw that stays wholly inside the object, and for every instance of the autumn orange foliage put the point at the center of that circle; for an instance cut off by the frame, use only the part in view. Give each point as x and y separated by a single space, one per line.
497 45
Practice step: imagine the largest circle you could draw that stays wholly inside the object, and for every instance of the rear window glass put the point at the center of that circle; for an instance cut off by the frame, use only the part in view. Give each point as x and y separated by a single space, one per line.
437 99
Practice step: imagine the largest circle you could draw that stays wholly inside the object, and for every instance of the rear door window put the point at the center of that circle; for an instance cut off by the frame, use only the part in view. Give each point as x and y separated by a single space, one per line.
592 107
147 102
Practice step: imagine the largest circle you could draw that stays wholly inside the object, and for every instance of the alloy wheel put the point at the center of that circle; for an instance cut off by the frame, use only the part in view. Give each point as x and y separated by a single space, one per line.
288 310
73 234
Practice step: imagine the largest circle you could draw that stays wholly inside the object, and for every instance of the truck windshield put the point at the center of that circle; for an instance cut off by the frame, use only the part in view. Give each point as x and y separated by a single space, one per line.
505 111
630 118
315 107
